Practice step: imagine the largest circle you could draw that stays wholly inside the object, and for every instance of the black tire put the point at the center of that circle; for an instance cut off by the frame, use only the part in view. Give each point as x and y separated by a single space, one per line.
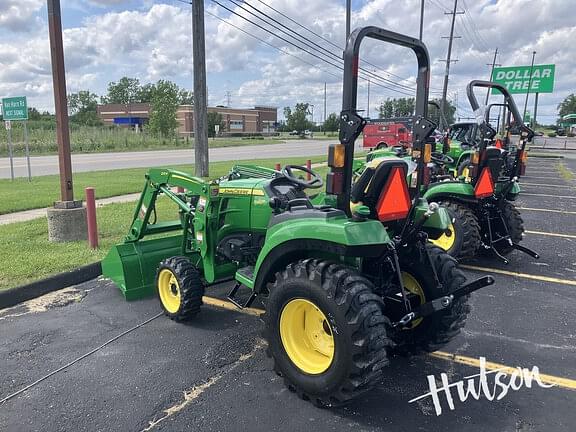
381 145
355 319
436 330
191 288
462 166
466 231
515 225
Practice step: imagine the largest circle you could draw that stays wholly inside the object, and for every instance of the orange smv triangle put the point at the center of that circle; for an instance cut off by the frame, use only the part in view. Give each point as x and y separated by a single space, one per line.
484 186
394 201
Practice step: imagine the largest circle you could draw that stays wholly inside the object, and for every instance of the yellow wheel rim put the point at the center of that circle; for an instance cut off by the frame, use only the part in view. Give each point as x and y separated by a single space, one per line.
466 174
446 241
169 290
306 336
413 286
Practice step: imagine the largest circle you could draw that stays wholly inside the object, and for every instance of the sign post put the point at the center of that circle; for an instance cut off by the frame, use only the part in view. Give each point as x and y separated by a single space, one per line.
524 80
16 109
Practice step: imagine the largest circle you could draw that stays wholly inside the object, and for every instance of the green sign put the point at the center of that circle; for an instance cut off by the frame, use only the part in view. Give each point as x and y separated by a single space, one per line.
517 79
15 108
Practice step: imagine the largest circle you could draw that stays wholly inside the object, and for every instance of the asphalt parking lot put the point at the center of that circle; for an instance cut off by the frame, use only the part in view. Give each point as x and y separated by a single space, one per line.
213 374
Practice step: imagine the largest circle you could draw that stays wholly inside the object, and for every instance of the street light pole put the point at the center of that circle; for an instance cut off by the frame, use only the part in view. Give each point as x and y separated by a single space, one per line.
348 10
529 85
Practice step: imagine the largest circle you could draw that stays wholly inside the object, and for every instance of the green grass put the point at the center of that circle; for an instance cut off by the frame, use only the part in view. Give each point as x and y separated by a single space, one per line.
87 139
565 173
21 195
27 255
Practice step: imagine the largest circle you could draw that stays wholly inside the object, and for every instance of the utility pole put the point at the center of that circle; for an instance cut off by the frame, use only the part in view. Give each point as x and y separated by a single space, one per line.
324 105
67 218
535 111
368 107
200 91
421 19
529 85
60 101
348 7
447 70
491 72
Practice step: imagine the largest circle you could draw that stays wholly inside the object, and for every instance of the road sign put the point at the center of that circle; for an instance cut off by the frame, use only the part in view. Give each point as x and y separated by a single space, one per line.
517 78
15 108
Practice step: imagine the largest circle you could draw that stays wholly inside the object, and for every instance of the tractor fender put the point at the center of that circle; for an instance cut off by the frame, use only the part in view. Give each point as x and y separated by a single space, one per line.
296 239
455 190
465 154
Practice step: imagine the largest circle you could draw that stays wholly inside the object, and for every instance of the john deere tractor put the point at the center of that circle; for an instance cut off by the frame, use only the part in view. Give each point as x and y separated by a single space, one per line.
484 217
341 290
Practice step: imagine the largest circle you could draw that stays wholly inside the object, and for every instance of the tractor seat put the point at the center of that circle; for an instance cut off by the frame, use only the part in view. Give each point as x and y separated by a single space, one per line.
493 160
371 184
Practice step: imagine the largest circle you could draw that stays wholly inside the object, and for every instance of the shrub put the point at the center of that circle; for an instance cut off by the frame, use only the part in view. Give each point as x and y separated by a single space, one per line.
552 134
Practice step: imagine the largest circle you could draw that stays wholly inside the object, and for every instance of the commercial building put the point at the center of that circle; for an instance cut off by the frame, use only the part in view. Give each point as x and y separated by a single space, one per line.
260 119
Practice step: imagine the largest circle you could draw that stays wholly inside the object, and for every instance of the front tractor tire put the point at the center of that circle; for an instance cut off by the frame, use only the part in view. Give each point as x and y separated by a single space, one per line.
179 288
434 331
326 331
464 241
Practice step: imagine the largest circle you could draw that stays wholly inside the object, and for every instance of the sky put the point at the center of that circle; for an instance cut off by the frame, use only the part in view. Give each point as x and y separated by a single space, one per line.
105 40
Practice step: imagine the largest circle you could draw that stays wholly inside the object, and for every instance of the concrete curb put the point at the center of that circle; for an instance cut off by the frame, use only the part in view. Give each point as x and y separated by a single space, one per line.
14 296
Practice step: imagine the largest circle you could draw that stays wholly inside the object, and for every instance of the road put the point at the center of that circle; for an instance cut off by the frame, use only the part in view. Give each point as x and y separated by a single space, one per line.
213 373
44 165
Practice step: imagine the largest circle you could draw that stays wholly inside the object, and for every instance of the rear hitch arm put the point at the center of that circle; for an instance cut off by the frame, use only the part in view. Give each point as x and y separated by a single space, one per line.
444 302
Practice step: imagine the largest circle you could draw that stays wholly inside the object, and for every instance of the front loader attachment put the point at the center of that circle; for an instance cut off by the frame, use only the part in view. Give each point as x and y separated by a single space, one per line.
132 265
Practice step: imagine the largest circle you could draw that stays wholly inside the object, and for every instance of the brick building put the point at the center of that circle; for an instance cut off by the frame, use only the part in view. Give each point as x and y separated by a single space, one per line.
260 119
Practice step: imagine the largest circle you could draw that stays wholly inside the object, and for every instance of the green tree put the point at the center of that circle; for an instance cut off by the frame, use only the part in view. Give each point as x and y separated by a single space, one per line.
332 123
145 93
401 107
163 108
185 97
449 112
214 119
297 119
567 106
34 114
82 106
125 91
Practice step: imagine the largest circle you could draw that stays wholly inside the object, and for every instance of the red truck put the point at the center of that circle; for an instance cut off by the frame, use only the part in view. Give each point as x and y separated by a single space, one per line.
387 133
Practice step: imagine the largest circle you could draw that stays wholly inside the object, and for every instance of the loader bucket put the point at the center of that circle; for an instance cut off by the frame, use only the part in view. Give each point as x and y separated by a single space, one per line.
132 265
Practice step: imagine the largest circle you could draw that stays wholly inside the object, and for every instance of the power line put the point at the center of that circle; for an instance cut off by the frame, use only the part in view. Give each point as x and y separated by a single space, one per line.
330 62
309 43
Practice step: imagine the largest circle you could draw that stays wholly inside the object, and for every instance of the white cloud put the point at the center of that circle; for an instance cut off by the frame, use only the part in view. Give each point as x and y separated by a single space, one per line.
154 42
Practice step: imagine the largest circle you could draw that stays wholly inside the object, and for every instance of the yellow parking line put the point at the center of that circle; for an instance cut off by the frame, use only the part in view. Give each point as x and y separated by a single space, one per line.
550 196
224 304
520 275
474 362
469 361
547 210
551 234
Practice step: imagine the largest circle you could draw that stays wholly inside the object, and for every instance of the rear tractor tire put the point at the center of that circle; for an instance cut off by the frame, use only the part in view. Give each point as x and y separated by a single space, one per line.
326 331
464 241
515 225
463 169
179 288
434 331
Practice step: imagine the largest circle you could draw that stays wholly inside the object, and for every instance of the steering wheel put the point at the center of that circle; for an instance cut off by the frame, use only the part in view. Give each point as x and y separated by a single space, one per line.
441 158
314 183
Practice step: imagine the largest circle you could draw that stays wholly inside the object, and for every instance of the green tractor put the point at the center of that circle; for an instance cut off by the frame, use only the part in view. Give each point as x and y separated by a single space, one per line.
341 291
484 217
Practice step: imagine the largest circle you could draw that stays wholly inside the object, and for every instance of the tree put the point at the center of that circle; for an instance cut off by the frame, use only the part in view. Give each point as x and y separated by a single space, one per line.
567 106
125 91
297 120
145 93
332 123
34 114
185 97
163 107
449 112
82 106
214 119
401 107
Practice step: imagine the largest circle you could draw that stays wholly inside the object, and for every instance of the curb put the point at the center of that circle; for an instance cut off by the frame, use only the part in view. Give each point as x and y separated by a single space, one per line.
545 156
14 296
